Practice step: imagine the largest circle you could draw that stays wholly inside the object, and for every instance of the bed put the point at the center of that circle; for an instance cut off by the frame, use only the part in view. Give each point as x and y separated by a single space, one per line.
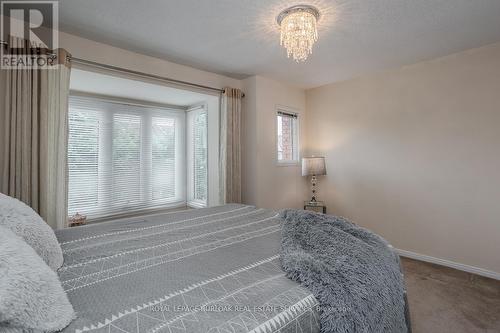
202 270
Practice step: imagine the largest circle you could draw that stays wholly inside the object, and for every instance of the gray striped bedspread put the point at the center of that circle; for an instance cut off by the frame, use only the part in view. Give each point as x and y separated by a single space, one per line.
204 270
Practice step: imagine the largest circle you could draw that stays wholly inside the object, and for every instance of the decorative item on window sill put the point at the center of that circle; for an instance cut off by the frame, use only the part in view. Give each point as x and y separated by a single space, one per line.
77 220
313 166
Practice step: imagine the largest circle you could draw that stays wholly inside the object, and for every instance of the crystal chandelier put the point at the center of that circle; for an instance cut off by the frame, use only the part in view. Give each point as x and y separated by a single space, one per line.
298 30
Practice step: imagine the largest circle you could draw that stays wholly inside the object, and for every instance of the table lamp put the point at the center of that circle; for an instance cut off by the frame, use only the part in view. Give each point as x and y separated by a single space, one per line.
313 166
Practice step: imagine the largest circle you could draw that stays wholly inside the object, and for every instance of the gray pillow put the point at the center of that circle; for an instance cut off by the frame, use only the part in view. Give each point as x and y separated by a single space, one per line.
27 224
31 295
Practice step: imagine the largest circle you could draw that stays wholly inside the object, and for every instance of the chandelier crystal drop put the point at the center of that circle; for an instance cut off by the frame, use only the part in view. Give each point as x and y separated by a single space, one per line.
298 30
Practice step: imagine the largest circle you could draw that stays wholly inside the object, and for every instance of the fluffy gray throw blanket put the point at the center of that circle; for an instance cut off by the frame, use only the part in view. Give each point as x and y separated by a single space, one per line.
352 272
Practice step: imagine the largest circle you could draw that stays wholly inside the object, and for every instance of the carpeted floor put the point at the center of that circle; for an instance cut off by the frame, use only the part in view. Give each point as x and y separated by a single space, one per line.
447 300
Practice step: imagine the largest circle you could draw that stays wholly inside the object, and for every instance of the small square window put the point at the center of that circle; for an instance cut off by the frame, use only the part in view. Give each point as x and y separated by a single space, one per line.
287 137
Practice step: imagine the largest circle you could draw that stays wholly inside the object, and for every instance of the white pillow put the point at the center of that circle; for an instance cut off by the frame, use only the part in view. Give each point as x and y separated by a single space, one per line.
31 295
27 224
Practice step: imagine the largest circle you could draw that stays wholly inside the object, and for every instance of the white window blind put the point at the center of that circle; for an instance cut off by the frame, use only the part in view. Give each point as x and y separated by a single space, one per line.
164 166
197 151
287 137
124 158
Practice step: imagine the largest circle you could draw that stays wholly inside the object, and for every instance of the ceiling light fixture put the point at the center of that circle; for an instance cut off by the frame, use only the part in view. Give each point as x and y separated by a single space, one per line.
298 30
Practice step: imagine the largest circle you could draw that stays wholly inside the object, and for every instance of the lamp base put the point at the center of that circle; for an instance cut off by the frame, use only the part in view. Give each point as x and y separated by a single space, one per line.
313 188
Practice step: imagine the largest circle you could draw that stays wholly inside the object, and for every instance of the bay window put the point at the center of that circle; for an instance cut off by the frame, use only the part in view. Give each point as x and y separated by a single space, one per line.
124 157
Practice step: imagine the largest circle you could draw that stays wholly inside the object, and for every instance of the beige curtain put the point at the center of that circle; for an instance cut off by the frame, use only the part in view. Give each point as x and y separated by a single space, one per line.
230 146
33 135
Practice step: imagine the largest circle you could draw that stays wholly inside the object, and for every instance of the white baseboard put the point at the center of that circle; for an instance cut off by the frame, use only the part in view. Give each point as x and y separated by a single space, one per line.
448 263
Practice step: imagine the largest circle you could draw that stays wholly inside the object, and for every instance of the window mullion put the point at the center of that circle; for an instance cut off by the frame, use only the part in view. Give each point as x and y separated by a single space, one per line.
146 158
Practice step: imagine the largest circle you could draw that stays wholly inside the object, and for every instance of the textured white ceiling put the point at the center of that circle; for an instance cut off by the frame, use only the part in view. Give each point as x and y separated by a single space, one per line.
240 37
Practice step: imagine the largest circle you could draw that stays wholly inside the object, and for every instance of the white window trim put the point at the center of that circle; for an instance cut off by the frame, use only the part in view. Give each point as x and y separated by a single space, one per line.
191 202
291 110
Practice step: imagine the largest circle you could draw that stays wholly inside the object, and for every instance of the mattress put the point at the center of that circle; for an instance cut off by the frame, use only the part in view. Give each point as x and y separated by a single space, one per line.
202 270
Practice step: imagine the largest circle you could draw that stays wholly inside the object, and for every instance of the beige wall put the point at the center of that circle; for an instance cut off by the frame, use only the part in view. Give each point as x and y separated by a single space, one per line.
414 154
265 183
106 54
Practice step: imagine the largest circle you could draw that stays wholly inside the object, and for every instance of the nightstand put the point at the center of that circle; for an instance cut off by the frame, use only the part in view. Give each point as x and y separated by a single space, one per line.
317 206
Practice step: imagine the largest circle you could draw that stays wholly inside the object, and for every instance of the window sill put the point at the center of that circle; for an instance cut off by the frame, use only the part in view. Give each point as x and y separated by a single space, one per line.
139 213
196 204
287 163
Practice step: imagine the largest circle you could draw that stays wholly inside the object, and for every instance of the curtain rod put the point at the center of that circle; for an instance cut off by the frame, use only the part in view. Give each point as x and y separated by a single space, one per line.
49 53
289 114
137 73
147 75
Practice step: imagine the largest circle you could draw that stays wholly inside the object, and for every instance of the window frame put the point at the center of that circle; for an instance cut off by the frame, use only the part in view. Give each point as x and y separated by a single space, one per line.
294 113
190 184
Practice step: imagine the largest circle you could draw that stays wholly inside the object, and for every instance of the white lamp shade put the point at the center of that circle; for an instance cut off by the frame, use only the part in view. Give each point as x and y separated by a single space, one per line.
313 166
